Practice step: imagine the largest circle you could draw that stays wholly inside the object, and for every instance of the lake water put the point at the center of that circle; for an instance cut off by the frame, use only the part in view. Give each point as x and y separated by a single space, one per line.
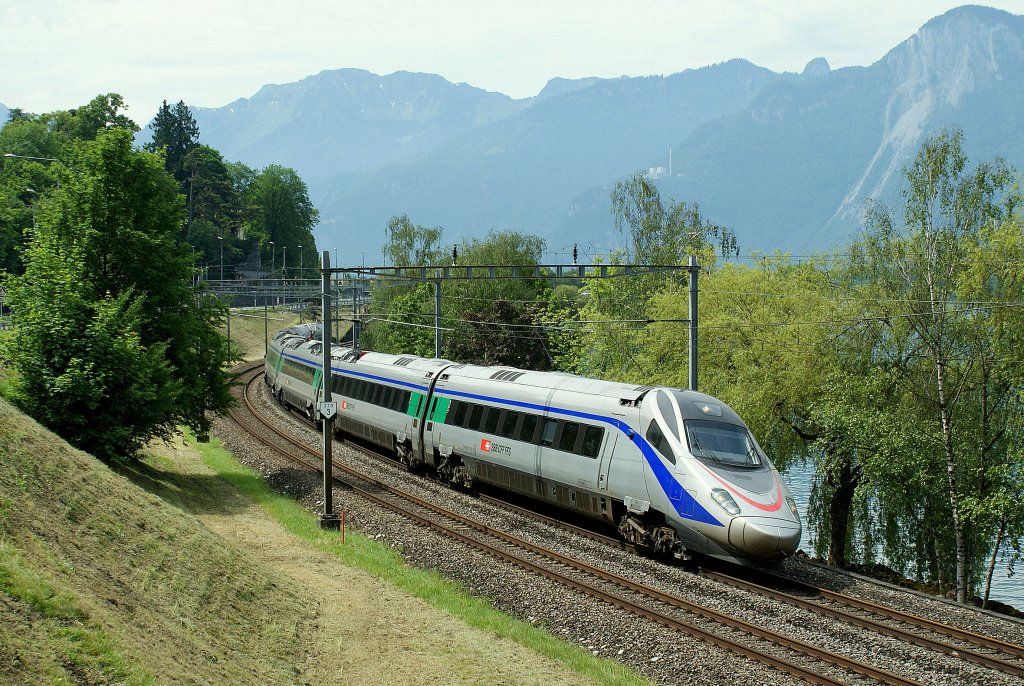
1004 589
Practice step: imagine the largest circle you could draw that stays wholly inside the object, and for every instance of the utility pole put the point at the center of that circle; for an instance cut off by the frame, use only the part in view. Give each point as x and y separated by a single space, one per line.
437 318
693 268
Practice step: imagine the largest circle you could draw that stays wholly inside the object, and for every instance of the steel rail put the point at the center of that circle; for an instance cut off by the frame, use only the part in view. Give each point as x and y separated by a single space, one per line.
612 598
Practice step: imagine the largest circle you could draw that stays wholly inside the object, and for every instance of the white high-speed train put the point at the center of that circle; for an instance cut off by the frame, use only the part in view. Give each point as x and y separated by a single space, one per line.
676 471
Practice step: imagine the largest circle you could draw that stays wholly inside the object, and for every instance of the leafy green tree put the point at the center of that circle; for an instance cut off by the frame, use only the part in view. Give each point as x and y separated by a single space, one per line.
114 222
940 344
661 234
410 244
83 369
498 320
215 211
281 212
47 137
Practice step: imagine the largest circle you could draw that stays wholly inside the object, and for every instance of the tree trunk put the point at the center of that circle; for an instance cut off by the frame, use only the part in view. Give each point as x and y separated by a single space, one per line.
992 563
947 442
839 515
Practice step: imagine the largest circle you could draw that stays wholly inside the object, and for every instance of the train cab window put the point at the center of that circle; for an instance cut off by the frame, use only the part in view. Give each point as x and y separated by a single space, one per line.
660 443
476 418
567 441
547 432
592 441
528 427
493 417
722 442
508 425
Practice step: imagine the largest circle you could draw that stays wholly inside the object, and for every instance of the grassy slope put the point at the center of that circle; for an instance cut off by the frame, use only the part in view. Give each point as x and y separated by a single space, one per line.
101 582
108 580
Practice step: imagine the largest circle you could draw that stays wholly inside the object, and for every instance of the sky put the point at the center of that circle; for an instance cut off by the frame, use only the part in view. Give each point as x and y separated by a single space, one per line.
57 54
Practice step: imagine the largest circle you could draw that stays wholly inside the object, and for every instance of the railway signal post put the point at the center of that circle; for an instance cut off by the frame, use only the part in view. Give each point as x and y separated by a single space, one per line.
329 519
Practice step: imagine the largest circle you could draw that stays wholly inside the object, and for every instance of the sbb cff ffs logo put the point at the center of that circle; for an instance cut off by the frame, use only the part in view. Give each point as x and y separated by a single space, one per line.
488 446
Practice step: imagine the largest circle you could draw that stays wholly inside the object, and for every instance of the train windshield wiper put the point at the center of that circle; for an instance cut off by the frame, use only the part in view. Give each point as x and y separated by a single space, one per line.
704 451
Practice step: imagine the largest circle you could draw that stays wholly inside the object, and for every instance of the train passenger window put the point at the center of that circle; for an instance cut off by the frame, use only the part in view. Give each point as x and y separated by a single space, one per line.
592 441
508 425
528 428
378 393
660 443
385 400
493 417
457 417
568 439
464 415
476 418
547 432
401 401
365 390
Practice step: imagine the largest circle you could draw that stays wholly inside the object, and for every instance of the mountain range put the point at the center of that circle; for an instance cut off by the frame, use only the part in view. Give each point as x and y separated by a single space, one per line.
785 159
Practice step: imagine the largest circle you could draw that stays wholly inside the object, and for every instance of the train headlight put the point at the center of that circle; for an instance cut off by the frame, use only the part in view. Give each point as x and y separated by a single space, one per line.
723 498
792 506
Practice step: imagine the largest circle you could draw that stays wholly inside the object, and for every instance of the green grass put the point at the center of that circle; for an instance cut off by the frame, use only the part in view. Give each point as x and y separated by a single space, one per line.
381 561
75 644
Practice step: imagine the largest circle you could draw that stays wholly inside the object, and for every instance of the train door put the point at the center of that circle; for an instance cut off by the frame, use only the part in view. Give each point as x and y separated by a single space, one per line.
606 461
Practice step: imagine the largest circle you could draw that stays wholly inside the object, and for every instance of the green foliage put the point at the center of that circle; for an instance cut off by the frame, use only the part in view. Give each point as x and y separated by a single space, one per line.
400 321
176 133
411 244
488 321
83 370
50 137
666 235
940 334
281 213
112 346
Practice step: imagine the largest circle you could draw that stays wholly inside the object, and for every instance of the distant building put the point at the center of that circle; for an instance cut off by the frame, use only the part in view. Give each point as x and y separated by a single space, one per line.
657 172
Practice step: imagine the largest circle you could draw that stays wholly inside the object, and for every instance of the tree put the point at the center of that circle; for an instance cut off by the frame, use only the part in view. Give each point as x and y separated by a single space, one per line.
410 244
665 235
215 212
281 212
23 182
176 133
129 299
83 369
659 234
939 343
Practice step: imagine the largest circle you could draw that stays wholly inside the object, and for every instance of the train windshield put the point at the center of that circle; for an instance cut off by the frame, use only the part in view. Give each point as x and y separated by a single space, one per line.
727 444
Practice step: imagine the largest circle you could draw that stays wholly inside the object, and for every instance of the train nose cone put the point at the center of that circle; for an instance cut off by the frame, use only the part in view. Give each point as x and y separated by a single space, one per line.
764 537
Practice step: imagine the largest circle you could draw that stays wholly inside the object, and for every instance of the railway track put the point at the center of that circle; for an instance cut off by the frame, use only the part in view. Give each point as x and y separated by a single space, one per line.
767 647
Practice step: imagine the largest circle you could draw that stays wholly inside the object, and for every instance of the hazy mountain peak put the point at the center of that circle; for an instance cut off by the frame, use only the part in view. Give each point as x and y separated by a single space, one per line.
958 52
819 66
559 86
